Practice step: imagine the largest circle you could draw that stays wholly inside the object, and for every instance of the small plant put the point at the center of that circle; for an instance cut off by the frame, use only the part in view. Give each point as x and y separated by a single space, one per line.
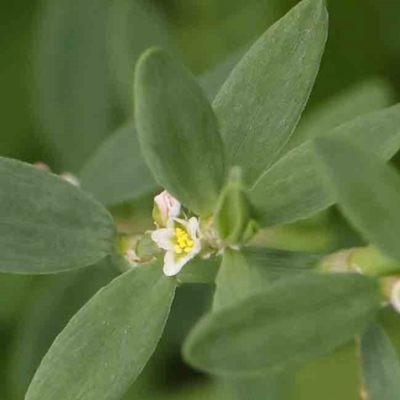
226 171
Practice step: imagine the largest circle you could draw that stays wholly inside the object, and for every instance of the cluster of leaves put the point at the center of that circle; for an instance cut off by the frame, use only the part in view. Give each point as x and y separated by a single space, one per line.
271 311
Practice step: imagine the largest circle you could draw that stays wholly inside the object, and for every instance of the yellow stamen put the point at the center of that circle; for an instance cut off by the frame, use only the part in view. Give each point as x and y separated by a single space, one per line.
184 243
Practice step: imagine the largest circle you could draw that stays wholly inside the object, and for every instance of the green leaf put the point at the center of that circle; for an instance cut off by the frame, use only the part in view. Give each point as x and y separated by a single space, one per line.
108 342
117 172
178 132
367 190
212 80
134 26
242 273
262 100
278 388
200 270
47 224
55 299
360 99
380 365
285 326
294 188
73 96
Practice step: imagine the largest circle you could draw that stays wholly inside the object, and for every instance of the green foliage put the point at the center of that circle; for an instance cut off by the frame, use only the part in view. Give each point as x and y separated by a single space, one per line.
380 365
117 172
276 74
51 304
294 187
367 190
48 225
73 96
280 327
107 343
271 311
178 132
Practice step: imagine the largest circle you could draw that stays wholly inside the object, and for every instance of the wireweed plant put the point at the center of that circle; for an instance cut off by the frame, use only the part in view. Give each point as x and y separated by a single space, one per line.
216 175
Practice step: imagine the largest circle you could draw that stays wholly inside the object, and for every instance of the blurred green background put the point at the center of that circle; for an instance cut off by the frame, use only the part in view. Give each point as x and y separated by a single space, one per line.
66 71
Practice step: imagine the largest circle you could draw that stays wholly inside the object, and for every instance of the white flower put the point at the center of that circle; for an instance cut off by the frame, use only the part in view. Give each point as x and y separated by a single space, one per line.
165 208
180 239
395 295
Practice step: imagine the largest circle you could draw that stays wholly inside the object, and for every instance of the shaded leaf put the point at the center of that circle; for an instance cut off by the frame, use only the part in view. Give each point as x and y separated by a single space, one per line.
283 327
294 188
178 132
73 95
47 224
108 342
134 26
379 364
360 99
200 271
262 100
246 272
117 172
53 302
367 190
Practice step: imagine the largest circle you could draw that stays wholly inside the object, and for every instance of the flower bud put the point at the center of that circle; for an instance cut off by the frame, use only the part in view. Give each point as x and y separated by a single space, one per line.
165 207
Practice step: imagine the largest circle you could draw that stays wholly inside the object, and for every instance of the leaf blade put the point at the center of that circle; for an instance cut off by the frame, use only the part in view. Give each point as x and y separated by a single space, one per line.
276 74
380 365
117 172
367 190
178 132
294 189
103 349
281 327
48 225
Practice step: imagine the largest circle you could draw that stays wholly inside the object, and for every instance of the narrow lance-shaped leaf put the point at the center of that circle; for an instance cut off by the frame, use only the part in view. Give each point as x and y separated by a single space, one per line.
178 132
107 343
367 190
380 365
294 188
117 172
262 100
291 323
47 224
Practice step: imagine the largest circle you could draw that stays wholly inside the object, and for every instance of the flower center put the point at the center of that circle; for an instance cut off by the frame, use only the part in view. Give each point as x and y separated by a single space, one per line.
183 242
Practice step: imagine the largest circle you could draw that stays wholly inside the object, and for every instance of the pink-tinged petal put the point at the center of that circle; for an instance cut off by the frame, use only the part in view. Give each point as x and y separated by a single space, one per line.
166 207
164 238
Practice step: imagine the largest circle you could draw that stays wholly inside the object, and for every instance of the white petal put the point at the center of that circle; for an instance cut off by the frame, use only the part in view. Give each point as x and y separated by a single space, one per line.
164 238
193 227
173 263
